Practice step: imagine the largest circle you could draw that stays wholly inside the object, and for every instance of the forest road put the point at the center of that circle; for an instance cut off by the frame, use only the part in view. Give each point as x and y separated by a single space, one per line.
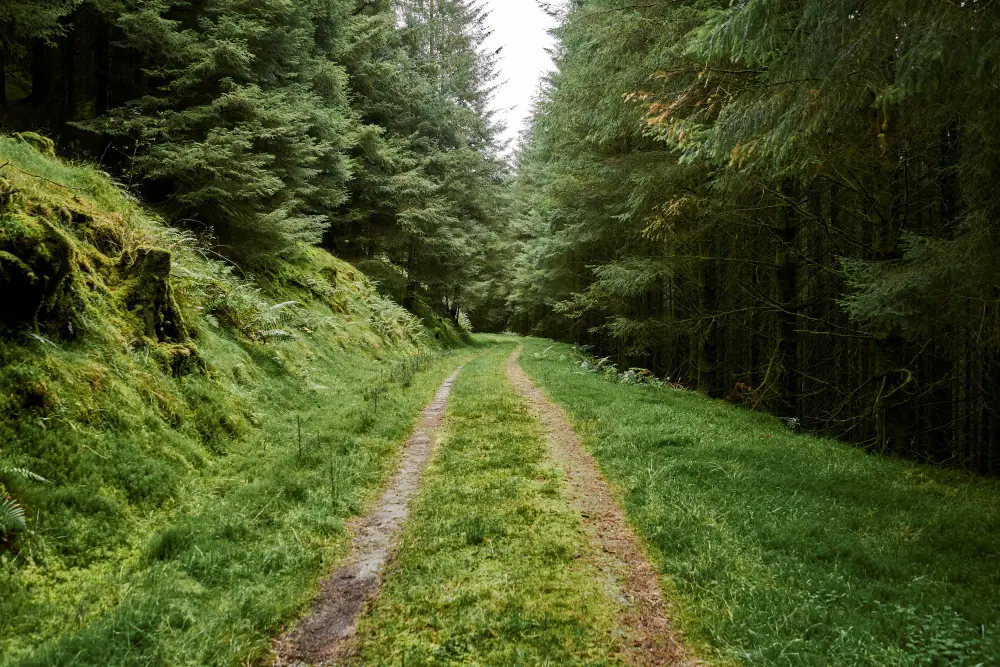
326 635
615 551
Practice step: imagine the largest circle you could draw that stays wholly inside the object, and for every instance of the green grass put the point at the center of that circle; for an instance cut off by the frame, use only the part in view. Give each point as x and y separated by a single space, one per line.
786 549
211 557
183 524
486 573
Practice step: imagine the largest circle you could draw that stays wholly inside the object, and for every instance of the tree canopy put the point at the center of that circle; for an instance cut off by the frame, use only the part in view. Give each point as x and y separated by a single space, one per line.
262 125
784 203
787 204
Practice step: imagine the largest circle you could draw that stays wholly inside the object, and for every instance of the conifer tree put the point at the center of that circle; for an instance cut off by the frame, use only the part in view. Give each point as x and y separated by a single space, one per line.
790 196
246 119
429 186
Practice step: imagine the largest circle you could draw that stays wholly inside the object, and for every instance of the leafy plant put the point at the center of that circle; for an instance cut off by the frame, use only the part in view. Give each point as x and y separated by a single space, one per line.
392 321
243 307
642 377
22 473
12 516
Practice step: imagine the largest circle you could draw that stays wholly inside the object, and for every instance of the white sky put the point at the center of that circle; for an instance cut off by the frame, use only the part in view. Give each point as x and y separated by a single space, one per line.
519 26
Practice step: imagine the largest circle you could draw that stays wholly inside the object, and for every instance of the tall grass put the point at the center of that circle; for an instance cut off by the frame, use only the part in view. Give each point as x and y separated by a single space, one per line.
786 549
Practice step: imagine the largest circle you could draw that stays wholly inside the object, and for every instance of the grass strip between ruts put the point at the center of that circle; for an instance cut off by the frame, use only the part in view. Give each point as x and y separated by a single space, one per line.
487 571
787 549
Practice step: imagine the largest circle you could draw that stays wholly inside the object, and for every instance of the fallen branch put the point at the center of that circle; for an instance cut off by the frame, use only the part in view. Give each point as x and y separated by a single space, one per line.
41 178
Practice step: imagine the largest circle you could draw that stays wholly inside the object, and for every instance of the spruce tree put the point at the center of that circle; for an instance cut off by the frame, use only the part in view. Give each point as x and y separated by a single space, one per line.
430 177
246 121
790 196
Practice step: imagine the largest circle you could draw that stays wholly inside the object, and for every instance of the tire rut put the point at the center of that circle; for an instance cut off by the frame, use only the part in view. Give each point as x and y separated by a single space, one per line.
615 551
326 635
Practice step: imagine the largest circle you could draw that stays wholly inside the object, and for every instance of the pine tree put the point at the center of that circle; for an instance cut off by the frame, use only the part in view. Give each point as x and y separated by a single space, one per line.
793 196
246 120
430 177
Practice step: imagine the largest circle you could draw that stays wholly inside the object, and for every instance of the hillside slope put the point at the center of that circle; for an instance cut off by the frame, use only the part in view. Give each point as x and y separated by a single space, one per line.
201 432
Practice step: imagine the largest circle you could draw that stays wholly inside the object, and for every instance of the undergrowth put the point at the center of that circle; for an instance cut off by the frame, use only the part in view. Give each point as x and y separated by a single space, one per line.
786 549
160 391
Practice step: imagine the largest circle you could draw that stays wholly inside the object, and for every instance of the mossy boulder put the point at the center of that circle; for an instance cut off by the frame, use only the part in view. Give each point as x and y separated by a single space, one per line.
36 276
149 295
43 145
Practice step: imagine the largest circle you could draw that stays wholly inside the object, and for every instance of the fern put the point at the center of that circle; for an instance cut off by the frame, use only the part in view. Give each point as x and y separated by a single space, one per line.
23 473
11 517
270 322
245 309
392 321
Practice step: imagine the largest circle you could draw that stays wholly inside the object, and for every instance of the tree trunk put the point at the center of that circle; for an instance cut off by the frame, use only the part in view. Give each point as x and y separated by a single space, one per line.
3 79
990 461
890 218
410 295
707 327
755 358
41 73
69 76
948 178
102 67
787 297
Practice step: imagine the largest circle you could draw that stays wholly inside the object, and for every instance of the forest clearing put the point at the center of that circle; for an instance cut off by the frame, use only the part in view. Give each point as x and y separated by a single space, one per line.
499 332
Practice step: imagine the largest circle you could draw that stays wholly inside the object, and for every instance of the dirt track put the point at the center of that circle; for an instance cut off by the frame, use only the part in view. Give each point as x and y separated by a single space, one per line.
325 635
648 638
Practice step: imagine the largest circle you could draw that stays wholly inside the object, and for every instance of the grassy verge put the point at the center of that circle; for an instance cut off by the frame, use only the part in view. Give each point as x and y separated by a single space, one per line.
786 549
183 523
210 575
486 572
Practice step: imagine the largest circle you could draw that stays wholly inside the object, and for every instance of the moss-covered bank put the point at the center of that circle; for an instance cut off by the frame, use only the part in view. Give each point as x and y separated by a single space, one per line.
203 431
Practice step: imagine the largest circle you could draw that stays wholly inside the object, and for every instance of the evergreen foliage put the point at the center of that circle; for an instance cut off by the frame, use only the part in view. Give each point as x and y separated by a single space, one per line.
430 181
797 197
246 123
267 125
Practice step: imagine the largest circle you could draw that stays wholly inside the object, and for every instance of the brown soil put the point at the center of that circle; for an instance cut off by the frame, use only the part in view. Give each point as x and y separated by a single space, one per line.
325 636
614 548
